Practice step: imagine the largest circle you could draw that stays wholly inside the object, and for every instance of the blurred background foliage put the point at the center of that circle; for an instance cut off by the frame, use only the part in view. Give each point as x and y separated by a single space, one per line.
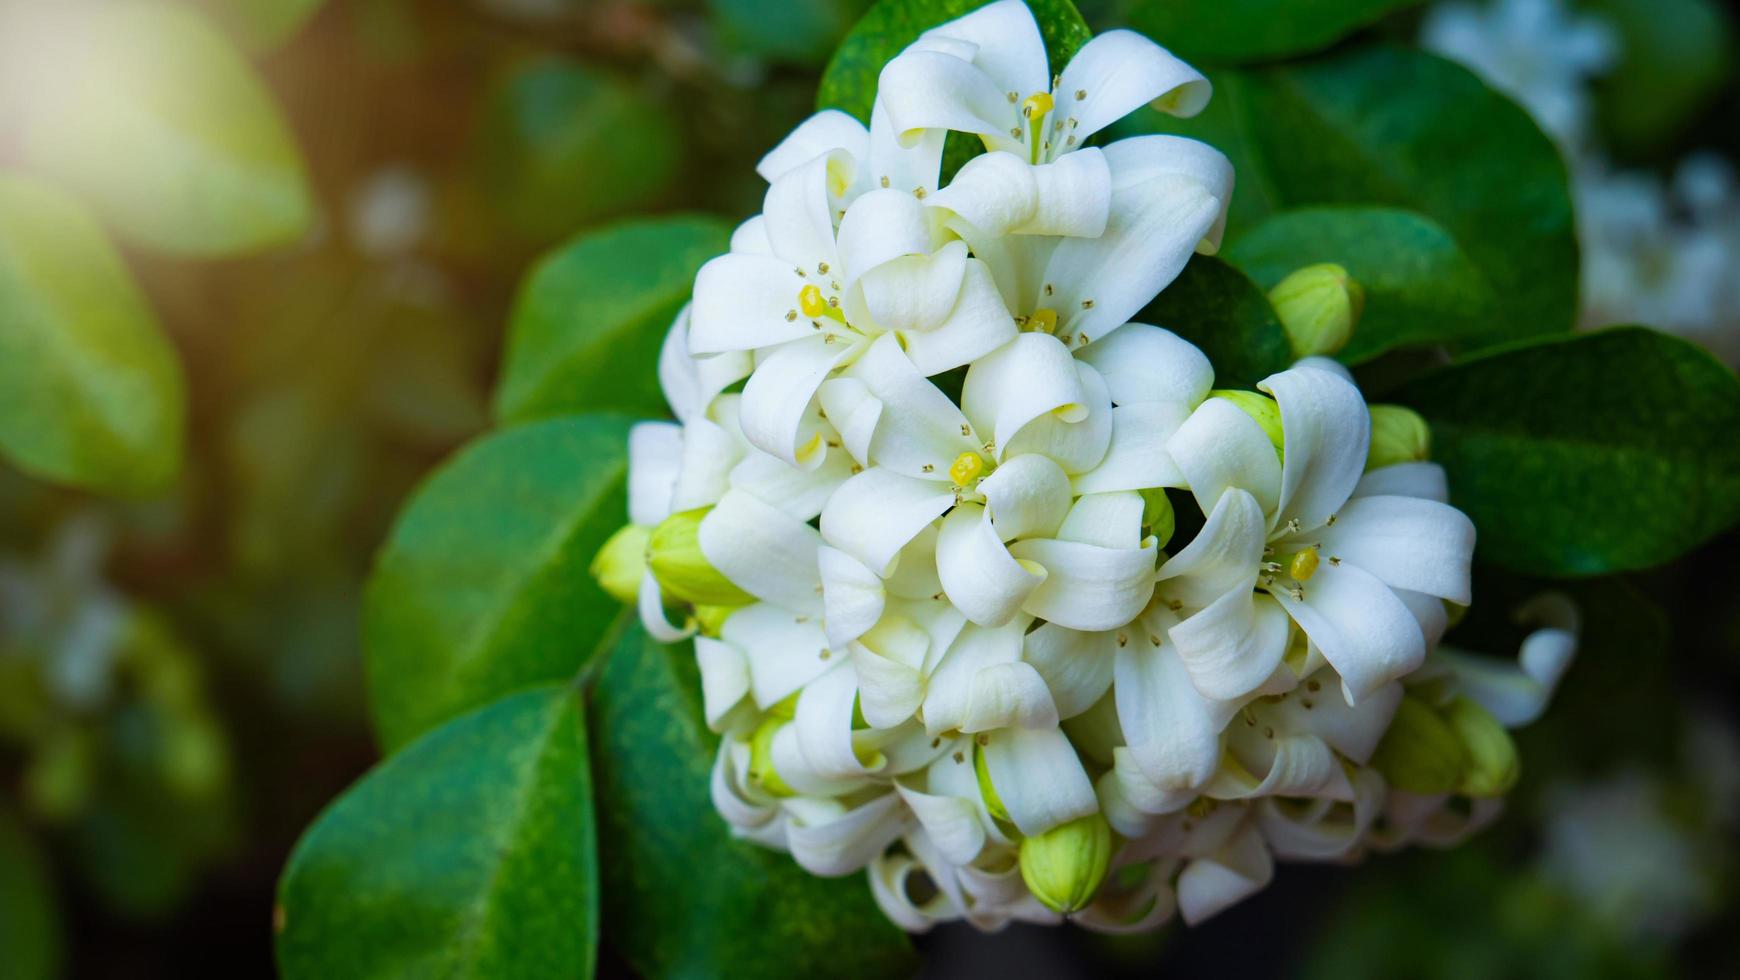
180 677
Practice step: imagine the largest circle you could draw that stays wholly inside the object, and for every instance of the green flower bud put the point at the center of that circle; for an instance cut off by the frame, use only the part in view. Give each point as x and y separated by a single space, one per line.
1398 435
674 554
621 563
1318 306
1420 753
1065 866
761 769
993 802
1492 766
1157 516
1260 407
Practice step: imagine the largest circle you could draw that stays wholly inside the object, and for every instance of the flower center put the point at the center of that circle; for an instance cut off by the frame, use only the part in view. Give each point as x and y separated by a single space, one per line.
966 468
1034 109
1043 320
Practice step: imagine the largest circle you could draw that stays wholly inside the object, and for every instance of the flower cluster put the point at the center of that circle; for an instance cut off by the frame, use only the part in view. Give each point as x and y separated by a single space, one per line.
950 626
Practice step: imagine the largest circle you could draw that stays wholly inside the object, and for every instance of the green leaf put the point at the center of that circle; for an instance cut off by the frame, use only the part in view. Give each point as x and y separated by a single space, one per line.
152 116
562 144
785 32
1589 454
849 82
29 920
1673 58
683 899
1219 309
469 854
1235 31
1420 288
1392 126
90 390
263 24
482 586
590 318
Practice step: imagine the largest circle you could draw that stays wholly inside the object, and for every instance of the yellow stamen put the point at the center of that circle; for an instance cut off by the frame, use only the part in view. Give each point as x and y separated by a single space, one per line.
1303 565
811 302
1034 110
966 468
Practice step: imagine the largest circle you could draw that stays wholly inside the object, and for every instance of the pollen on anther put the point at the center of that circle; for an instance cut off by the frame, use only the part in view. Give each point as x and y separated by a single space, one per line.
825 655
928 468
1015 131
919 192
960 758
1070 141
1087 304
1014 97
1074 122
821 268
790 316
1123 640
1330 522
966 430
885 182
856 469
1335 559
1154 640
1049 289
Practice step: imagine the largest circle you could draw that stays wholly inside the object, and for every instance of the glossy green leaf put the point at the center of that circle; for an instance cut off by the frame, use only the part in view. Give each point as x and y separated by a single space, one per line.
29 921
682 897
152 116
849 82
562 144
1236 31
781 31
1395 127
262 25
1673 56
1420 288
90 390
591 316
482 587
1219 309
1588 454
469 854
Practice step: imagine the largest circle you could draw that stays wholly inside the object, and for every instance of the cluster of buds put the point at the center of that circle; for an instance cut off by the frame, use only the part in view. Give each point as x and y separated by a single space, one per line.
994 595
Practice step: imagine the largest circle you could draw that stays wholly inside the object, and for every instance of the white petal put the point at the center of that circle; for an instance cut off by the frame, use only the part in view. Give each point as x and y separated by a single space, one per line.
913 292
1296 766
650 604
951 821
919 426
798 492
994 192
1210 885
1108 520
1072 197
1005 43
1173 731
1121 71
1038 778
1142 363
1029 377
1408 542
691 383
799 210
710 453
1367 632
763 551
741 303
931 90
822 726
875 513
1076 665
1232 645
950 688
979 574
827 130
776 402
1079 445
750 237
905 167
1222 557
1220 447
914 575
882 225
724 678
1327 431
655 456
1026 496
1136 458
787 753
846 843
976 325
888 660
854 413
1325 832
852 597
1161 212
1423 480
783 650
1087 587
1009 696
1353 731
740 804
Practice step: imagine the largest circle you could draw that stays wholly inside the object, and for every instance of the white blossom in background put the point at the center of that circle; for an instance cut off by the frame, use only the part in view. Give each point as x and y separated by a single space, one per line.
936 619
1657 252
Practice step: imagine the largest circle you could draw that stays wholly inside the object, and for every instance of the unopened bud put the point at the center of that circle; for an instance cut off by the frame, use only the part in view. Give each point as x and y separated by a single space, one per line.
1420 753
1318 306
1490 765
761 769
1158 518
1398 435
1260 407
1065 866
674 555
621 563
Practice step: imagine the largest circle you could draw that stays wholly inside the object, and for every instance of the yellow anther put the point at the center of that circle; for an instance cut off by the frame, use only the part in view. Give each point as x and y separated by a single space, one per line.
966 468
1043 320
811 302
1036 105
1303 565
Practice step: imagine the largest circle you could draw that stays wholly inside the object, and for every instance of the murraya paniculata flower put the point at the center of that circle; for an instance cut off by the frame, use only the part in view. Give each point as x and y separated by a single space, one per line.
942 625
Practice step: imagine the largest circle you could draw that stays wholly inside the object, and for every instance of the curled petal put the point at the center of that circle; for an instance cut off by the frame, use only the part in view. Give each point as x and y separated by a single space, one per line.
821 133
1038 778
763 551
1142 363
1118 72
1364 629
877 512
981 577
1327 431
